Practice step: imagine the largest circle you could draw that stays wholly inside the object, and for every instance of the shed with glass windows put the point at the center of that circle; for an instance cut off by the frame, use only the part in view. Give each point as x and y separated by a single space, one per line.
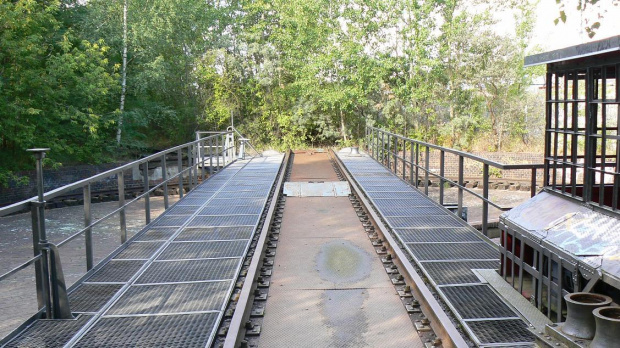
567 237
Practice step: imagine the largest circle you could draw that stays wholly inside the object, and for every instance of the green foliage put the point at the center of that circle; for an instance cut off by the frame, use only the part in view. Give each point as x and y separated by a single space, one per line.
290 73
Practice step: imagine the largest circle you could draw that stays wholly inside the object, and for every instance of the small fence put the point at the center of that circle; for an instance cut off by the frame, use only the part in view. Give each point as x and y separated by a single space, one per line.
194 161
410 159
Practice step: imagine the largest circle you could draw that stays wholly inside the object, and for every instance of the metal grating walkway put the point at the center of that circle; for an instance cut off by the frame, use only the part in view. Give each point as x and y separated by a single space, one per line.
171 283
446 249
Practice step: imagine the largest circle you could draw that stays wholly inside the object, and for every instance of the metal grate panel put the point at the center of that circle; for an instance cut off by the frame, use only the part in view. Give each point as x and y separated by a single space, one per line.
116 271
242 194
157 233
477 301
230 201
224 220
203 250
172 298
187 330
48 333
215 233
418 211
501 331
231 210
192 201
188 271
428 235
459 251
170 220
459 272
181 210
387 203
139 250
424 221
91 297
396 195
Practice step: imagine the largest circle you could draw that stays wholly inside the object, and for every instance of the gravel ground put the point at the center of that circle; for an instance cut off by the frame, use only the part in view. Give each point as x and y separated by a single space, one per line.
17 294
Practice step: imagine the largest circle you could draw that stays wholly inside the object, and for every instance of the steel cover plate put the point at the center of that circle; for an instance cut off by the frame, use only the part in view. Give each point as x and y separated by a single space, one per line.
425 221
116 271
91 297
139 250
501 331
48 333
453 251
443 235
172 298
204 250
459 272
186 330
224 220
215 233
477 302
189 271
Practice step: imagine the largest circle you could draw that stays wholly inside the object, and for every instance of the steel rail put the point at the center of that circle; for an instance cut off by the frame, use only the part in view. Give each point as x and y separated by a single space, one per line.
439 320
20 267
236 331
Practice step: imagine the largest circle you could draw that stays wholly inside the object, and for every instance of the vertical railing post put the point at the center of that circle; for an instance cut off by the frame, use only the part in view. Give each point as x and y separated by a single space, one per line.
411 162
164 178
442 156
39 237
533 183
190 166
485 203
180 171
417 165
427 166
88 234
461 183
147 198
210 156
389 152
120 179
404 157
217 150
196 162
395 153
201 158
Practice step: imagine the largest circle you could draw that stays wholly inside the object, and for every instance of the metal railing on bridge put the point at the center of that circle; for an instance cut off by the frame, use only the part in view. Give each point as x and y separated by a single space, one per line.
194 161
402 156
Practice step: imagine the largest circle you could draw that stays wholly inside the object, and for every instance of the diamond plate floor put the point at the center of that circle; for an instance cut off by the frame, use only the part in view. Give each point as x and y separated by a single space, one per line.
168 287
446 249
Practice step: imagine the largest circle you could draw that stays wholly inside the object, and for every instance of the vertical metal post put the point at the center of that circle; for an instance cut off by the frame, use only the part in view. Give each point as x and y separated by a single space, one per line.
485 203
382 147
417 165
201 158
427 167
217 150
389 152
164 178
210 156
459 210
533 182
395 155
88 234
442 156
190 166
120 178
404 157
411 162
180 170
39 237
147 199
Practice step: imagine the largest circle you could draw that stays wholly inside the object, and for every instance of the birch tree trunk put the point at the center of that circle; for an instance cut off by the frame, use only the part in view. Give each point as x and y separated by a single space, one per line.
123 76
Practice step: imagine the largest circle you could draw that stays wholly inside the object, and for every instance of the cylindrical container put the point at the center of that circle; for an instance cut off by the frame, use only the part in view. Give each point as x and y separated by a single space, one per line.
607 327
580 320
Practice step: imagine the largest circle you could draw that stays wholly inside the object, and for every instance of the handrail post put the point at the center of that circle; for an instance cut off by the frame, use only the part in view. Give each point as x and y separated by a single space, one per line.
411 162
201 157
395 153
190 165
533 183
39 237
210 156
88 234
217 149
461 183
427 167
389 152
147 198
442 155
485 203
180 170
404 157
417 165
164 178
120 178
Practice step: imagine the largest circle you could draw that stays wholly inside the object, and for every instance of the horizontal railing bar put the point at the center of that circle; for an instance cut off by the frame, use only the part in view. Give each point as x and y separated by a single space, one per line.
19 206
461 153
20 267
